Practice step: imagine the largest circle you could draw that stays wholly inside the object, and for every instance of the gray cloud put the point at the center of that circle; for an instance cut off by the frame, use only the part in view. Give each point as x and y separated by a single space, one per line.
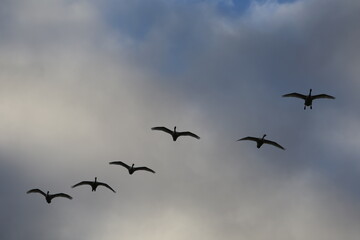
82 86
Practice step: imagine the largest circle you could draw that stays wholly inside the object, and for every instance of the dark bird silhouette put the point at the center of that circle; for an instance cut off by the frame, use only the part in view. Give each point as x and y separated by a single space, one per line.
93 185
308 98
261 141
48 196
131 168
174 133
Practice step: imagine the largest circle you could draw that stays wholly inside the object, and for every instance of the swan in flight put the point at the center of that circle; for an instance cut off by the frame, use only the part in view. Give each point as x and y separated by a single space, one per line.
131 168
93 185
48 196
174 133
261 141
308 98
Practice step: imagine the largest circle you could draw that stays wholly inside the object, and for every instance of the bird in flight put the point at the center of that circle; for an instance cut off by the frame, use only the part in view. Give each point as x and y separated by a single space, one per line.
174 133
93 185
308 98
48 196
261 141
131 168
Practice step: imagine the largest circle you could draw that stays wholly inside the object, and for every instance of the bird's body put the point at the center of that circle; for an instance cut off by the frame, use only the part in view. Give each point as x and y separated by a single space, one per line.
174 133
308 98
48 196
94 185
131 168
261 141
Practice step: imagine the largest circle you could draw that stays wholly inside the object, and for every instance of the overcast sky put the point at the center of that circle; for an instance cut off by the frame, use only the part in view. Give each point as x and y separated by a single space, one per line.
83 82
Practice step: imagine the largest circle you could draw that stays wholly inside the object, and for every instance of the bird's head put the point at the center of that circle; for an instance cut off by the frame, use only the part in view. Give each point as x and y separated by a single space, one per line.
264 136
174 128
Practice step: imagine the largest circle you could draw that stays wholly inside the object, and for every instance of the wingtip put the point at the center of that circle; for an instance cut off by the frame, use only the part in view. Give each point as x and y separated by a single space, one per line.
115 162
31 190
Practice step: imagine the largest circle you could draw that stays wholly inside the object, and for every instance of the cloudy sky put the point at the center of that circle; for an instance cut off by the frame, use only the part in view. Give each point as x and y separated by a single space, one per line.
83 82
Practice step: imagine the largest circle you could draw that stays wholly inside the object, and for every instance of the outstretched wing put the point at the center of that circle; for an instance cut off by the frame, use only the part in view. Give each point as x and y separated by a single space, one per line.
82 183
188 134
120 163
249 138
297 95
144 168
322 96
164 129
61 195
274 144
36 190
105 185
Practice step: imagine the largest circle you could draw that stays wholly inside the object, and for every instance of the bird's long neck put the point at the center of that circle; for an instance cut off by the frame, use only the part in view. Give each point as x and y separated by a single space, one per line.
47 193
95 179
310 92
263 137
132 166
175 129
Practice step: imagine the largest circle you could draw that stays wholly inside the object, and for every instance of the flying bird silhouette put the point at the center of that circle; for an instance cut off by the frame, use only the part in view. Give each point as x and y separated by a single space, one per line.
174 133
93 185
261 141
131 168
308 98
48 196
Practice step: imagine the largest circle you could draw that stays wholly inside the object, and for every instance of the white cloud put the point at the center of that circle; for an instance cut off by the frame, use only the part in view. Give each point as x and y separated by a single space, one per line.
77 92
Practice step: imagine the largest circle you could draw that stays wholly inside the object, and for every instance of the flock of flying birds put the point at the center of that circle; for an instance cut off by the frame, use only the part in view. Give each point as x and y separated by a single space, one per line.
175 134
